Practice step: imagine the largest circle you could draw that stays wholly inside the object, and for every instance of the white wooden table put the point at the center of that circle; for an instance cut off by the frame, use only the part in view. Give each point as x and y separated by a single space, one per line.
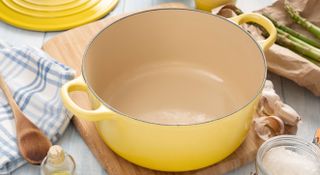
302 100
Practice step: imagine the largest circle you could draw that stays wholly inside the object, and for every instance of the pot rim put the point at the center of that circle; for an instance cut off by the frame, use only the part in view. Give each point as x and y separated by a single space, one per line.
84 57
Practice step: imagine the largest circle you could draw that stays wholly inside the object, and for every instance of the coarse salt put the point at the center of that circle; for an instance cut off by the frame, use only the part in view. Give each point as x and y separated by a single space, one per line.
284 160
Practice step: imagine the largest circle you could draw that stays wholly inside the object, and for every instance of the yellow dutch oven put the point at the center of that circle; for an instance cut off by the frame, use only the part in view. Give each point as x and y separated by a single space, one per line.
173 89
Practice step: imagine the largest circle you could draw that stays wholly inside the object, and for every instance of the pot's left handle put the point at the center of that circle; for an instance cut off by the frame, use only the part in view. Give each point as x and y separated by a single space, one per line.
78 84
264 22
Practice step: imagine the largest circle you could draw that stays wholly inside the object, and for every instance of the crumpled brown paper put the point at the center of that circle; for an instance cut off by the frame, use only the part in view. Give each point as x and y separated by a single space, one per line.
283 61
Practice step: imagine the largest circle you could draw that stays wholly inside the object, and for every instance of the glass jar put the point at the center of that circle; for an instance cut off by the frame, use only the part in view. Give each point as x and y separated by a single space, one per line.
58 162
284 143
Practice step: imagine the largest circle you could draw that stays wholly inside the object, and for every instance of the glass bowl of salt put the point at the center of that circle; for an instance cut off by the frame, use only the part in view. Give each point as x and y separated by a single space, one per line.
288 155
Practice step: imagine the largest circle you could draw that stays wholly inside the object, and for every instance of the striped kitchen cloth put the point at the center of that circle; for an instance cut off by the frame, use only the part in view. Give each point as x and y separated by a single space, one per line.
34 79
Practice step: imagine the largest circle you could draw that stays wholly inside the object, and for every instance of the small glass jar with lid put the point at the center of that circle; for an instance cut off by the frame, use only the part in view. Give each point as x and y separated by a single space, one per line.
58 162
288 154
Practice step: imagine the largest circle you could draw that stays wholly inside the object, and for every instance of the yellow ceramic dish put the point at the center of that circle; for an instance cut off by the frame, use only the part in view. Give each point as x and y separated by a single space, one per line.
53 15
208 5
165 59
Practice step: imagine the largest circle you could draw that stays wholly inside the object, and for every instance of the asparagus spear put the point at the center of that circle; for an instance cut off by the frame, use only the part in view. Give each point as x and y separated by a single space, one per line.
314 61
315 30
291 37
293 33
298 46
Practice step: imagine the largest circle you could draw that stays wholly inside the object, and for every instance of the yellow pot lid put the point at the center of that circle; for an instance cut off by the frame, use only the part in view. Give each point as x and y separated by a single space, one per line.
53 15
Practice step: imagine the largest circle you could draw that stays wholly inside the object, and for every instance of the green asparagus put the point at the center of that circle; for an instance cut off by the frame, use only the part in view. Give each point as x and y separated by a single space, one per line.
293 33
298 47
291 37
315 30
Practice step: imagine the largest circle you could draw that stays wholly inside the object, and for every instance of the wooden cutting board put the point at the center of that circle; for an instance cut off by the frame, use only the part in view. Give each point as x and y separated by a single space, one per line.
68 48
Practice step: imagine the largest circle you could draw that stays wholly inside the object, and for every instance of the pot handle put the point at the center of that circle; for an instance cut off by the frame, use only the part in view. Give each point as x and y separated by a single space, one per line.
261 20
78 84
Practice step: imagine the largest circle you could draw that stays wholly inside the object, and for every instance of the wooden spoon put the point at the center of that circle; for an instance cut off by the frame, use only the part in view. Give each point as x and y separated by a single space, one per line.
32 143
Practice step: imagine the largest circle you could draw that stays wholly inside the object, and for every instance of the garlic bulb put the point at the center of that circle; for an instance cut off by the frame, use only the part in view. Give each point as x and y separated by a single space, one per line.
273 114
271 104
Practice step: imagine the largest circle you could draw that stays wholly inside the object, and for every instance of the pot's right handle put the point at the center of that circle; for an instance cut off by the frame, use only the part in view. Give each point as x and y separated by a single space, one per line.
261 20
78 84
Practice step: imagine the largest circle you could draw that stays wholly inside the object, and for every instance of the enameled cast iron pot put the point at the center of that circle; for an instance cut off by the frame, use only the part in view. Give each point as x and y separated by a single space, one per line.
173 63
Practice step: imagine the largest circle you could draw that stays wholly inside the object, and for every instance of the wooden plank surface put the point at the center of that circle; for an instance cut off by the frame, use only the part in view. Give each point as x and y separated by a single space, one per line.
69 48
302 100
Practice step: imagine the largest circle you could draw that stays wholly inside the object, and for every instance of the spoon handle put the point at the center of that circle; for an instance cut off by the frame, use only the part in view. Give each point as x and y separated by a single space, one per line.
7 92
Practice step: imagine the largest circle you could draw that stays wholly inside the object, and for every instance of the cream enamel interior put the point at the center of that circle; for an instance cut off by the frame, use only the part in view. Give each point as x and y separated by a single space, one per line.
180 62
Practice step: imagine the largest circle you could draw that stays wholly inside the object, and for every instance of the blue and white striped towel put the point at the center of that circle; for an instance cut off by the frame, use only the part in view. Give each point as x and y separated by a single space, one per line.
34 79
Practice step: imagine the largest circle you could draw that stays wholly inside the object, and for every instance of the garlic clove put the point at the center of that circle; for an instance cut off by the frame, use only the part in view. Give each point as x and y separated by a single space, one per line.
270 96
232 7
264 108
291 130
268 126
268 85
287 114
227 13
